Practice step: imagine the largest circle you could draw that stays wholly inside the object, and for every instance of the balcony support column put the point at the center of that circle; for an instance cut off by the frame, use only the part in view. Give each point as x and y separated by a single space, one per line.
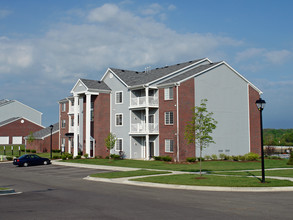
75 147
88 124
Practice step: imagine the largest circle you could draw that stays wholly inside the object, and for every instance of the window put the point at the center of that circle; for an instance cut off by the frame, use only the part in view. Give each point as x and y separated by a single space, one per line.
63 141
168 93
168 118
169 145
118 97
118 144
63 123
72 121
63 106
119 120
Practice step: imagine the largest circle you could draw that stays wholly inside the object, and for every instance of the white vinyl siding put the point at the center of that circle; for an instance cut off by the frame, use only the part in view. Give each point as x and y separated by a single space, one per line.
17 140
168 93
4 140
169 118
169 145
119 144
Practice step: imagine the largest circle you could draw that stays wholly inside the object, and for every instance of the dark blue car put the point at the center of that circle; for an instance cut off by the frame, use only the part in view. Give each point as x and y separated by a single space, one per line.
30 160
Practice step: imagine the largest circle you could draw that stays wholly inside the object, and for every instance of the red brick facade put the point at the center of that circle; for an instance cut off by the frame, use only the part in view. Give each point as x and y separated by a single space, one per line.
186 103
64 130
43 145
255 130
21 127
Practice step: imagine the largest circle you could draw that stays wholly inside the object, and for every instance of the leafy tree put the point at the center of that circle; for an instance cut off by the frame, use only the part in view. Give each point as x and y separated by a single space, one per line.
30 138
198 130
110 142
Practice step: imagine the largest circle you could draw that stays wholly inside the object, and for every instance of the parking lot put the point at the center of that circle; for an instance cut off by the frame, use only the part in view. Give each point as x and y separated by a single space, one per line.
59 192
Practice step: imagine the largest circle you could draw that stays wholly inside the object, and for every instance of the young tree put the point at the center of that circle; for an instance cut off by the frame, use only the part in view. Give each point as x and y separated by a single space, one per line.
110 142
198 130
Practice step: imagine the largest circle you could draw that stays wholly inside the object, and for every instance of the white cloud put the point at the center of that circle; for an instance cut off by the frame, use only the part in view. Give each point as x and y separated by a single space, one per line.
4 13
153 9
278 56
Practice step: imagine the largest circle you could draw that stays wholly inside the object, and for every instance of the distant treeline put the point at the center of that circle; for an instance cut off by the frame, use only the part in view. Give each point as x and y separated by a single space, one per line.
278 137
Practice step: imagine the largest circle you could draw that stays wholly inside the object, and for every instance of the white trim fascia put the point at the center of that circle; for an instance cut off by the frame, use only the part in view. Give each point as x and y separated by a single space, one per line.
110 70
248 114
242 77
79 80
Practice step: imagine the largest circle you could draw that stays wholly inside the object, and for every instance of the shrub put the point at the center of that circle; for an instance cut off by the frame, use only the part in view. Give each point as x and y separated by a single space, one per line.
242 158
202 159
251 156
290 162
235 158
34 151
56 157
70 157
28 150
222 156
77 157
158 158
214 157
86 156
207 157
9 158
191 159
64 157
274 157
167 158
115 156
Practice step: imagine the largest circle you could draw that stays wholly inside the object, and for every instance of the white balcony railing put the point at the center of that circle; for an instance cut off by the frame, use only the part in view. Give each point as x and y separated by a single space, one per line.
141 101
141 128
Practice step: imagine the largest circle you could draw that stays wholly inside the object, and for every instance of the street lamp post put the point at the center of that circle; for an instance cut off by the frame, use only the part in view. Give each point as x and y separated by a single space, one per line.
260 103
51 126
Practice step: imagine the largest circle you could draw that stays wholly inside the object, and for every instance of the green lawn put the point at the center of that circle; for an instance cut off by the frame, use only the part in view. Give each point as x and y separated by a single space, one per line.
1 188
281 173
206 165
211 180
122 174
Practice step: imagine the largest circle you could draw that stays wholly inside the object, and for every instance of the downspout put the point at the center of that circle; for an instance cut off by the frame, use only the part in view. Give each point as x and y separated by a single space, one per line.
177 106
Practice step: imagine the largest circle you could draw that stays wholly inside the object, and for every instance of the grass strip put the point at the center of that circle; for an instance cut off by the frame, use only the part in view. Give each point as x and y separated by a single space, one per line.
121 174
1 188
193 167
280 173
211 180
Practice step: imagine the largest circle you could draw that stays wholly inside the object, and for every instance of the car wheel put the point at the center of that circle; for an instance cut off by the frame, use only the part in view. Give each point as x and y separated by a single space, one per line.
25 164
45 162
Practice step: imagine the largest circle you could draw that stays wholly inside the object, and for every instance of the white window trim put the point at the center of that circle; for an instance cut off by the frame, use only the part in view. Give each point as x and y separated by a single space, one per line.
64 123
167 93
168 145
165 116
116 119
116 97
119 139
63 107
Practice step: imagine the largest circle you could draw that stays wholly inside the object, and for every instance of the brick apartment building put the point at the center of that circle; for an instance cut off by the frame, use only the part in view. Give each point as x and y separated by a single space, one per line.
148 111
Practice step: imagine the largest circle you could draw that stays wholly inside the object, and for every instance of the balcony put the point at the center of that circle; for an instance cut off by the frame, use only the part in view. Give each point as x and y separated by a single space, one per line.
141 102
140 128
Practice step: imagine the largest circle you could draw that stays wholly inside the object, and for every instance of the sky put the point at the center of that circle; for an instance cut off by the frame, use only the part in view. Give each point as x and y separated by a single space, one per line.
46 46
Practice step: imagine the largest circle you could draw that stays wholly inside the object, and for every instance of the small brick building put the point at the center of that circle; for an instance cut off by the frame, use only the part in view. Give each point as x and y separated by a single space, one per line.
42 139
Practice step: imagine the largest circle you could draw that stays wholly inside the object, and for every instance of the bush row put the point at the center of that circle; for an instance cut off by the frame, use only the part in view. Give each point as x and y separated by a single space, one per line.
246 157
163 158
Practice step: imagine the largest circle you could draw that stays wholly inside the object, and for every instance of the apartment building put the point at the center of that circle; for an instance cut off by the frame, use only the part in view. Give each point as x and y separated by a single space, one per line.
148 111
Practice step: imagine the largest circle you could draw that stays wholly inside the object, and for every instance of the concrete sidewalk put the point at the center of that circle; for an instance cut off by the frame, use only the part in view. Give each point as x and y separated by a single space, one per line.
128 181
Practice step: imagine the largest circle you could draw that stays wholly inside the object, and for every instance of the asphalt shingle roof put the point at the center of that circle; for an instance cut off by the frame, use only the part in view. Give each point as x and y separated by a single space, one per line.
5 102
132 78
7 121
189 73
95 84
46 131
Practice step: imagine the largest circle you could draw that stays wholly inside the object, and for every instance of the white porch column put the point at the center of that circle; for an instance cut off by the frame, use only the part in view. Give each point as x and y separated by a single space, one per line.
88 125
147 124
75 147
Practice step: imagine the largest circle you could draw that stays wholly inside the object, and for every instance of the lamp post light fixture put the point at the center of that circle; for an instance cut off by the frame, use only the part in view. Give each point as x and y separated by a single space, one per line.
51 127
260 103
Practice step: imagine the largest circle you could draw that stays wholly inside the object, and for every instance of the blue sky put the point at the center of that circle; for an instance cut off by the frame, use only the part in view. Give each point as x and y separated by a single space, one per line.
45 46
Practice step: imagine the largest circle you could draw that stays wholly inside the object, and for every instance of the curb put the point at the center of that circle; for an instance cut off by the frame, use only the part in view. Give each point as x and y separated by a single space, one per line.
7 191
196 188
